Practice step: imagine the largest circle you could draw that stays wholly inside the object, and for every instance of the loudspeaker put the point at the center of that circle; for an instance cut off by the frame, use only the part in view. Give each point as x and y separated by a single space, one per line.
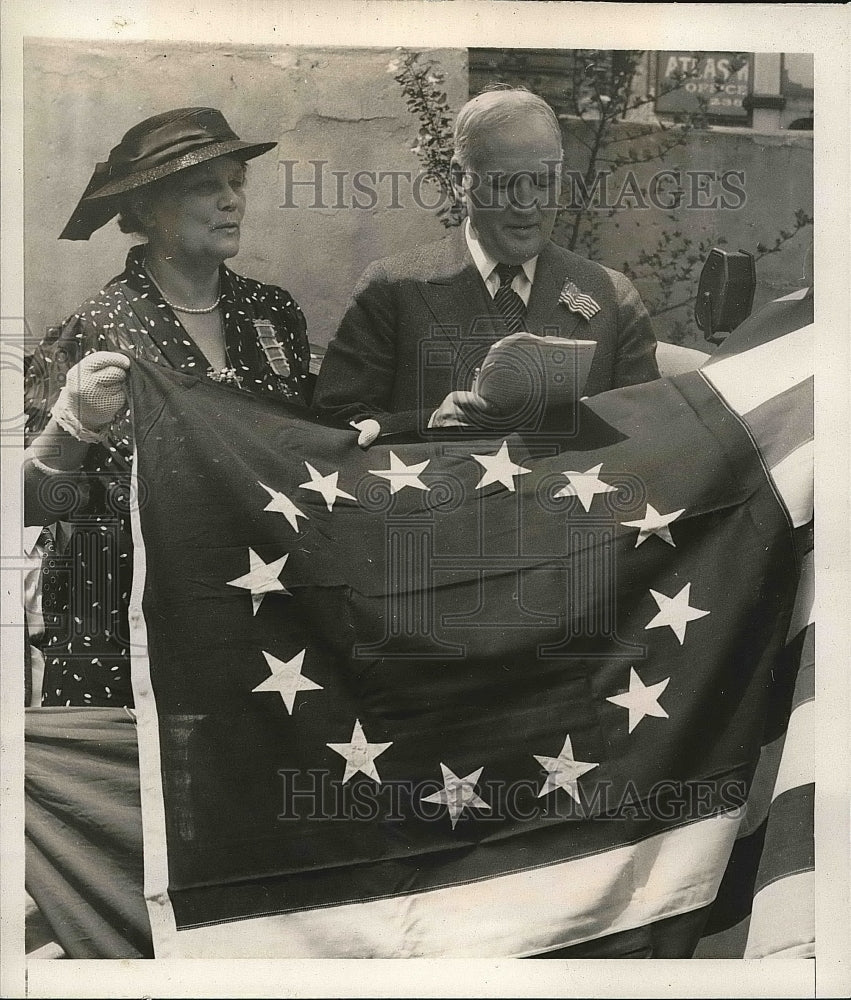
725 292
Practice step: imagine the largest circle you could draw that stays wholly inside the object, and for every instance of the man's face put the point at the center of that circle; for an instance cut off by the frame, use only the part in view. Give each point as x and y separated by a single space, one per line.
511 189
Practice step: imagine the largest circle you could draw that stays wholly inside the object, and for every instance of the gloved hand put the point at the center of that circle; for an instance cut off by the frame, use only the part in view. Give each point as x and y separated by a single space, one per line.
94 392
369 430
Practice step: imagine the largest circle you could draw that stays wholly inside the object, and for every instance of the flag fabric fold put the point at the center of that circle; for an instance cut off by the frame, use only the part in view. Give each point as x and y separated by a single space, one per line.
473 697
83 831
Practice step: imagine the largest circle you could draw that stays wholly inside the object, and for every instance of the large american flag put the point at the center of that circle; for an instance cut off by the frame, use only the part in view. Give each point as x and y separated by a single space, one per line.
471 697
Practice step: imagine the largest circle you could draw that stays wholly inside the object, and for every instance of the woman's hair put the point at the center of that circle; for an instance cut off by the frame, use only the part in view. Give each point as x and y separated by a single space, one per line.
494 108
132 204
128 219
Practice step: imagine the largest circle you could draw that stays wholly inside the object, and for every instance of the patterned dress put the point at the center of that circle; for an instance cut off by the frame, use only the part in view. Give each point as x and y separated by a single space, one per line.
86 648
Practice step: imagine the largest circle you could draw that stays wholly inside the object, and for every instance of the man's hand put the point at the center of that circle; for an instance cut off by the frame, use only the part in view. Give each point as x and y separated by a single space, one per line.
461 409
369 431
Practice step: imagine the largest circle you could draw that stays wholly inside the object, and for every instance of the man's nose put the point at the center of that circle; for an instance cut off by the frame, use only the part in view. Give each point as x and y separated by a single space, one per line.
523 193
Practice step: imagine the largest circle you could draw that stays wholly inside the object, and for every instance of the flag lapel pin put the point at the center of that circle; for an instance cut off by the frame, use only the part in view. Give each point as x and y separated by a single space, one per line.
578 301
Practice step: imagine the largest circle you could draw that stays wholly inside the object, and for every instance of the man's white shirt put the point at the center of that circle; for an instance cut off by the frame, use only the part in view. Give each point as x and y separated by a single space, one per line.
522 283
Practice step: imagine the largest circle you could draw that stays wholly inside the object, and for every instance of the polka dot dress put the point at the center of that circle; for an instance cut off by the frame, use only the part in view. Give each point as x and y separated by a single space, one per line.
86 654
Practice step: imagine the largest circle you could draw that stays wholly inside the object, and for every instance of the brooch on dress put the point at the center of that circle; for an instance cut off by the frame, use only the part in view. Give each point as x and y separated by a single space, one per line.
227 376
578 301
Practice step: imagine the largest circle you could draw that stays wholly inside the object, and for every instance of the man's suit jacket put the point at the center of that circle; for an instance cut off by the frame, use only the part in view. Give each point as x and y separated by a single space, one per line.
419 324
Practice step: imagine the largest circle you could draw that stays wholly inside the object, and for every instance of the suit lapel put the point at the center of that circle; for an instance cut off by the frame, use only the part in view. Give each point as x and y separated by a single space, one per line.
544 308
456 297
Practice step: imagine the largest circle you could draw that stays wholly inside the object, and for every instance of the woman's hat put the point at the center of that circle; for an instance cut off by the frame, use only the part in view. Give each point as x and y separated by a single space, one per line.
155 148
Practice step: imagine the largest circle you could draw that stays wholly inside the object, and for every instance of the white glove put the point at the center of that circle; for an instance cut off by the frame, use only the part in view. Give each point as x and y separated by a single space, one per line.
94 392
369 430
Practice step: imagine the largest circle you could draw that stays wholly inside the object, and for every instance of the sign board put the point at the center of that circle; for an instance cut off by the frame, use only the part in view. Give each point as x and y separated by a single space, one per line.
720 79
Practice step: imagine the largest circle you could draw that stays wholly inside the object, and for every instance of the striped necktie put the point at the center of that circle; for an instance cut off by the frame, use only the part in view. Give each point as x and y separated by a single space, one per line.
509 303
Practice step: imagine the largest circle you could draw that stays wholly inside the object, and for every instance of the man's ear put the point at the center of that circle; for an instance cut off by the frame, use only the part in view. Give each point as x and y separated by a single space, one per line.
456 178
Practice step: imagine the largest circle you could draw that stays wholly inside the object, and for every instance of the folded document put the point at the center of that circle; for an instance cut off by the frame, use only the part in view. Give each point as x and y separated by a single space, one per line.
525 375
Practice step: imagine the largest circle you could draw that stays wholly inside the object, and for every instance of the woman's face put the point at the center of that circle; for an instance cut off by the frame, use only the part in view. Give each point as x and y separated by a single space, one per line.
196 213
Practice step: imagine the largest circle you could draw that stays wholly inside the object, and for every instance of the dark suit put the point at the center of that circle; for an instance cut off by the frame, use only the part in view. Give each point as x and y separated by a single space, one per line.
419 323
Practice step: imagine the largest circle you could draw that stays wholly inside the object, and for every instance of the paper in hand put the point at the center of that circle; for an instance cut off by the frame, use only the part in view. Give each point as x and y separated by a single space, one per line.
524 374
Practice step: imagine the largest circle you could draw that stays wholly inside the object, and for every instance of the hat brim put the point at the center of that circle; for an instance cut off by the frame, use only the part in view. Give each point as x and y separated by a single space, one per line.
244 150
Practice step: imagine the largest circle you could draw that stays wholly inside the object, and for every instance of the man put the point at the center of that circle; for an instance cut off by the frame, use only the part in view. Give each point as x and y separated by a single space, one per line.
419 323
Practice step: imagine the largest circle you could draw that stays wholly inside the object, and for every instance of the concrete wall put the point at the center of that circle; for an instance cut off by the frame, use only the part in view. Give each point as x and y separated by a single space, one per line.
338 105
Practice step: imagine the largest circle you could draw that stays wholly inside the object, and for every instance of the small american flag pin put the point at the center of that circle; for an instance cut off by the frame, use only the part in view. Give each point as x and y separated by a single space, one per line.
578 301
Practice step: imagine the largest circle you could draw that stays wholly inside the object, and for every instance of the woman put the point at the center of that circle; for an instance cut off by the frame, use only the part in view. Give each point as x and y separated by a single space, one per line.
178 179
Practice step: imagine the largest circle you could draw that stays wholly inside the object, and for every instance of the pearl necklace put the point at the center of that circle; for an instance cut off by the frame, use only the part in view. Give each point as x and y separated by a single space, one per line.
183 309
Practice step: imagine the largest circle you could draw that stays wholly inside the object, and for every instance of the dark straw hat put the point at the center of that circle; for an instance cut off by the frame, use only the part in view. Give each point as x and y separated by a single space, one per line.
153 149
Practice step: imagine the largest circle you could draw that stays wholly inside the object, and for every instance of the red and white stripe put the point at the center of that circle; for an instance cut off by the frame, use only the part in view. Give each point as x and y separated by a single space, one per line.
770 387
578 301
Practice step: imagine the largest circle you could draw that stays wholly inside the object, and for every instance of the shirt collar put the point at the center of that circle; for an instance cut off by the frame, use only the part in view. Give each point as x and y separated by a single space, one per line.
485 263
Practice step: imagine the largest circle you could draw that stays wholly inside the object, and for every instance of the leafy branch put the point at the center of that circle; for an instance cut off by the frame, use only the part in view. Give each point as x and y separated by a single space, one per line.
677 259
421 81
602 95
